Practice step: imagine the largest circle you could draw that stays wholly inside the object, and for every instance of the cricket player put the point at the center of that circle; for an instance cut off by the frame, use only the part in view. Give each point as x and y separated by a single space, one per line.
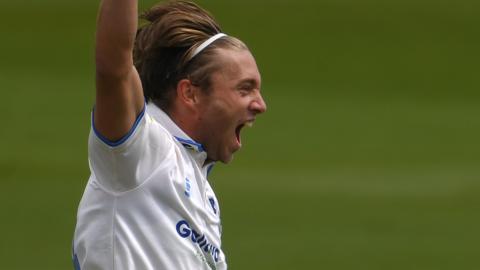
172 97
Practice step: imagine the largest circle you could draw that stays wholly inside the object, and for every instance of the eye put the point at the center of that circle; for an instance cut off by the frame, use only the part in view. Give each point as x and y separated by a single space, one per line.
245 89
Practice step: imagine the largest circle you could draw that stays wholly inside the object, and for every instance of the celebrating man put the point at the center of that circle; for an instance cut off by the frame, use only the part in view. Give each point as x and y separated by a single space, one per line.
171 99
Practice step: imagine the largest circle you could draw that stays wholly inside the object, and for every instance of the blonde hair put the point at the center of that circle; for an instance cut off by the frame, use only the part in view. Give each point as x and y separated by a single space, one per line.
165 44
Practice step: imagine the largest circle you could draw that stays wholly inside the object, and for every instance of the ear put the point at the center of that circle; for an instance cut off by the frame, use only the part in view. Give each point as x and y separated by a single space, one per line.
187 93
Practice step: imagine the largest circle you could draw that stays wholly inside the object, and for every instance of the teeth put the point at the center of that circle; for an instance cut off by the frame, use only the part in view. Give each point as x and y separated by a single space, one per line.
249 124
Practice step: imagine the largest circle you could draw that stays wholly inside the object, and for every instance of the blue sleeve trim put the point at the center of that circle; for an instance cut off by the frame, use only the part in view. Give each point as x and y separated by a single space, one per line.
124 138
76 263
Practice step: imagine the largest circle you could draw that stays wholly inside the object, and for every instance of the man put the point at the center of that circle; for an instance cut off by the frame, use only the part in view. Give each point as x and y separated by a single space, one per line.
171 99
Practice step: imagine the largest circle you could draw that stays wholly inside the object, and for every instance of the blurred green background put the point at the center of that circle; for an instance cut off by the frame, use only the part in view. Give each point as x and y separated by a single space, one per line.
368 157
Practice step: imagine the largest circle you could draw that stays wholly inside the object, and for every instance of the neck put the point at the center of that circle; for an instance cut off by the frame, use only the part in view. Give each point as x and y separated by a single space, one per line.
185 122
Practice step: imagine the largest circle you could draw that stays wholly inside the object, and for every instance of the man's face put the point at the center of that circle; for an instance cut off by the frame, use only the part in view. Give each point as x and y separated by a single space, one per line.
232 103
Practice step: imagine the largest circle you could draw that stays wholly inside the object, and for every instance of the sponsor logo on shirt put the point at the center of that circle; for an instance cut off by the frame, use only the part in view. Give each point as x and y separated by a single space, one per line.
185 231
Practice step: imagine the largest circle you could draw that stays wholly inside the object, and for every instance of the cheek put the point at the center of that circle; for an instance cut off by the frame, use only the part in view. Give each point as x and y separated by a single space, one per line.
214 117
220 120
222 112
220 109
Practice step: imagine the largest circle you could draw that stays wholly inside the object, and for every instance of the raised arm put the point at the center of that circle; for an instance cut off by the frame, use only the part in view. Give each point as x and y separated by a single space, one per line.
119 95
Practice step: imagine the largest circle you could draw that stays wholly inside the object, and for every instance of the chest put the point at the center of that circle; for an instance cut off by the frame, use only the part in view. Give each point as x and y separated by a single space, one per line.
181 191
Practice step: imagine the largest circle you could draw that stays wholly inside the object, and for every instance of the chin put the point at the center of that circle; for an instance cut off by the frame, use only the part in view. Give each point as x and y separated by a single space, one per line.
222 157
226 159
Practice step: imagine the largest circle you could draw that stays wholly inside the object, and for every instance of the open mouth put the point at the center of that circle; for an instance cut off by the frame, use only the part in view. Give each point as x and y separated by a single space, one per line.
237 133
239 129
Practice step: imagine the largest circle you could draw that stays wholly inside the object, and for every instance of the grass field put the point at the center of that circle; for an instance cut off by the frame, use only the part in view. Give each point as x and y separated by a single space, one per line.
368 157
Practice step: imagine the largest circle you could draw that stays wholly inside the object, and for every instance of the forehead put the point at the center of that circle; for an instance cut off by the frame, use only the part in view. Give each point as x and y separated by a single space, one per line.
237 65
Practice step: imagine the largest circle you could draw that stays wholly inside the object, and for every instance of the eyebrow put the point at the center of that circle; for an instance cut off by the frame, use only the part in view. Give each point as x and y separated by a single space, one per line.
249 81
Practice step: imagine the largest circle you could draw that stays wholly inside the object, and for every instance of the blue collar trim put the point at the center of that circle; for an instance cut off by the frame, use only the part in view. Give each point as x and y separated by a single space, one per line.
165 120
190 144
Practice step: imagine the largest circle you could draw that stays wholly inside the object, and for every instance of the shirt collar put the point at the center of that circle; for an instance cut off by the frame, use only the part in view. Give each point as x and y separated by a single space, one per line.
196 148
161 117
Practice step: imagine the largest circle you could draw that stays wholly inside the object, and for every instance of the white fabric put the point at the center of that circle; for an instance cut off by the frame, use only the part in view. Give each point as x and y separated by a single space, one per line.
148 204
206 43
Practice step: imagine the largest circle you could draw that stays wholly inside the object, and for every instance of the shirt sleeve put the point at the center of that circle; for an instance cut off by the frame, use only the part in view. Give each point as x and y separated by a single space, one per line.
125 164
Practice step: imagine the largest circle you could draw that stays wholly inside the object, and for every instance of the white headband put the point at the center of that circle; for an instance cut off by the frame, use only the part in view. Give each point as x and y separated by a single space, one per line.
206 43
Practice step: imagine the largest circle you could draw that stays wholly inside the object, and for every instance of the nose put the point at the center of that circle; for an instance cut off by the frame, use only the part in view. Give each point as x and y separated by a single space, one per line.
258 105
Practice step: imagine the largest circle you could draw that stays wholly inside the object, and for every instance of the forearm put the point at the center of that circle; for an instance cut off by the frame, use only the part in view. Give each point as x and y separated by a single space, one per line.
119 95
116 28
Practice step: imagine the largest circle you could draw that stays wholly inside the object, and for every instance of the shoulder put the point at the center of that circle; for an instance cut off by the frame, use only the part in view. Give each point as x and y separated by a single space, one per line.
127 165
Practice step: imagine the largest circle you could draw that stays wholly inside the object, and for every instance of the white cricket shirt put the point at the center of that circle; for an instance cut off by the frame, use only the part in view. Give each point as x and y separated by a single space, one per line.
148 204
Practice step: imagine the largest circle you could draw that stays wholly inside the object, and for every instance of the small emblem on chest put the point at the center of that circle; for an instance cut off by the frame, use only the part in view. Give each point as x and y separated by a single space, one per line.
188 187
